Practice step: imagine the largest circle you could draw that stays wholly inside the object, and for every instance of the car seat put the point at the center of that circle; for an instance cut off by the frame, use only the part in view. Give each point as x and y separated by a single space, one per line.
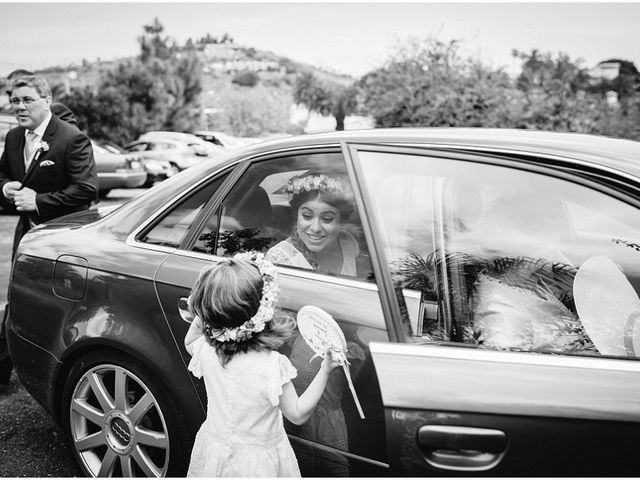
254 209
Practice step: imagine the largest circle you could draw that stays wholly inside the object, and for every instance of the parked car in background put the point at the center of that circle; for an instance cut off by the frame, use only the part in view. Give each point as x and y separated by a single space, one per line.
117 170
225 140
198 145
179 154
156 168
490 317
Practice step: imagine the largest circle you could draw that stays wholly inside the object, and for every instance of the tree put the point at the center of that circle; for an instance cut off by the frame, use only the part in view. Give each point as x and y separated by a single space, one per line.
324 97
153 44
146 100
560 74
100 114
246 79
176 76
428 83
159 90
556 94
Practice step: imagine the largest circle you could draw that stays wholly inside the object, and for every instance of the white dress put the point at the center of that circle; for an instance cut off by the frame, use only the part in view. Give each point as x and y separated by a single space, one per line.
243 434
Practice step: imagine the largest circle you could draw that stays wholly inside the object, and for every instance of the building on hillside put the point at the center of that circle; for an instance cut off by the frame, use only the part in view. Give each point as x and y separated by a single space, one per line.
223 51
606 70
234 66
618 79
232 58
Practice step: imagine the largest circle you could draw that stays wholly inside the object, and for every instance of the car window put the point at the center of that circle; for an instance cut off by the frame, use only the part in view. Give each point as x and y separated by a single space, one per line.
173 226
257 215
507 259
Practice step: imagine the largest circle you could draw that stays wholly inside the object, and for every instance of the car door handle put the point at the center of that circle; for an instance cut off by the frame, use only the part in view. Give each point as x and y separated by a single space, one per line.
461 448
183 309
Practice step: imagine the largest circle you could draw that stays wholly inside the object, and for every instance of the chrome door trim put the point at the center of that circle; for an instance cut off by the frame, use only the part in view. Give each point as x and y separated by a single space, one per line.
319 446
443 378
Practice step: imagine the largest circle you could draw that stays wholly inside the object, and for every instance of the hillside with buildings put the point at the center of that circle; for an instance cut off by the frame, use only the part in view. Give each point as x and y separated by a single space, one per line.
227 67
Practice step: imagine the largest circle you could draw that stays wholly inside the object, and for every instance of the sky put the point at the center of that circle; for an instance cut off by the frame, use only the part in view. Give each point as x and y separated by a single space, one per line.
349 38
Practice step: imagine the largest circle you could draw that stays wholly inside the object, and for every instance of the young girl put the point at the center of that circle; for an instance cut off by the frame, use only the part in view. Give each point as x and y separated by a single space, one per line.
233 340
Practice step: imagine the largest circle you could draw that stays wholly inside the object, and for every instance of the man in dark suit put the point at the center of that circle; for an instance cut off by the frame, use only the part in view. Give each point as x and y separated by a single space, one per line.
47 168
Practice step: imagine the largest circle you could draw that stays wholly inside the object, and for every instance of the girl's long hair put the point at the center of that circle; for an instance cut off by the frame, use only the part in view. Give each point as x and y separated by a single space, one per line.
228 294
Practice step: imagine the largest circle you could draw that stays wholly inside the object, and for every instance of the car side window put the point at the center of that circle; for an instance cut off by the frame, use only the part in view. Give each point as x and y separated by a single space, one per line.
507 259
257 214
172 227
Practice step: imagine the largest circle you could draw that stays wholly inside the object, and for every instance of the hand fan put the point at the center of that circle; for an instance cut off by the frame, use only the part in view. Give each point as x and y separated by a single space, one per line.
608 307
322 333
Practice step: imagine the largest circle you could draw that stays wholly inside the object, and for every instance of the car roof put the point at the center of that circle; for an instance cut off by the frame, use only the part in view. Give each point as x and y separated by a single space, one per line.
618 154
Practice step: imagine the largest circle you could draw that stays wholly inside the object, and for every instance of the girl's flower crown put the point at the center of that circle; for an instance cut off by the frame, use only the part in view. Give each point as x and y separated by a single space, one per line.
320 183
266 310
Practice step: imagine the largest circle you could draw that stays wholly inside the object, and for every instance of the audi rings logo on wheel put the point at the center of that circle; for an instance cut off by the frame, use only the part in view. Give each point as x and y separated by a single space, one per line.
120 429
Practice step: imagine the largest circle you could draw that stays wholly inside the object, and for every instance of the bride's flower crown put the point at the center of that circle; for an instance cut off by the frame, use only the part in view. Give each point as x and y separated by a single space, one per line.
321 183
266 310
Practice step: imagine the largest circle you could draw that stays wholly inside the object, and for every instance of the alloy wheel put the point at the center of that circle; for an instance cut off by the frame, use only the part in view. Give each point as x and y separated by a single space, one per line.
117 426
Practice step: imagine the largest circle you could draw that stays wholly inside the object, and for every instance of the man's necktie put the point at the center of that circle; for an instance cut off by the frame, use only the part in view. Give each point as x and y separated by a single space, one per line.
30 147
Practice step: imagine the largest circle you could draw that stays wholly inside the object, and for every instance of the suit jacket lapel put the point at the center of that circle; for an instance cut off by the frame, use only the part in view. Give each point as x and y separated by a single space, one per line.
48 136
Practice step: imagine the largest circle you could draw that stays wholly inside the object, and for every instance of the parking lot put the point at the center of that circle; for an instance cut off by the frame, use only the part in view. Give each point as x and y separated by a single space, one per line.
31 444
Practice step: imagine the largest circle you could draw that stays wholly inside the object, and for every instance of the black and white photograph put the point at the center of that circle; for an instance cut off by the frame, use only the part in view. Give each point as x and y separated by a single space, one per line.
319 239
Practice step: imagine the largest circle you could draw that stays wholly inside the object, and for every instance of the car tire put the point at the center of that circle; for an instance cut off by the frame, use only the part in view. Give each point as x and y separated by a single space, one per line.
120 421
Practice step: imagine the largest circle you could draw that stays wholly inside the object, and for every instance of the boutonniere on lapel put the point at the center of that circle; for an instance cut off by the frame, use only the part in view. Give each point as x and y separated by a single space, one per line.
43 147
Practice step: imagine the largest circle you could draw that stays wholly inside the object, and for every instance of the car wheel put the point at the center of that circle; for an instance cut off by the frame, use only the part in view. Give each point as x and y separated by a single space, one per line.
120 422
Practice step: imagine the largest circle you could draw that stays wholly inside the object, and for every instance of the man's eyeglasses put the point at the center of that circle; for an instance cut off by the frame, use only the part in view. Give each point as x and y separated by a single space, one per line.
26 101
